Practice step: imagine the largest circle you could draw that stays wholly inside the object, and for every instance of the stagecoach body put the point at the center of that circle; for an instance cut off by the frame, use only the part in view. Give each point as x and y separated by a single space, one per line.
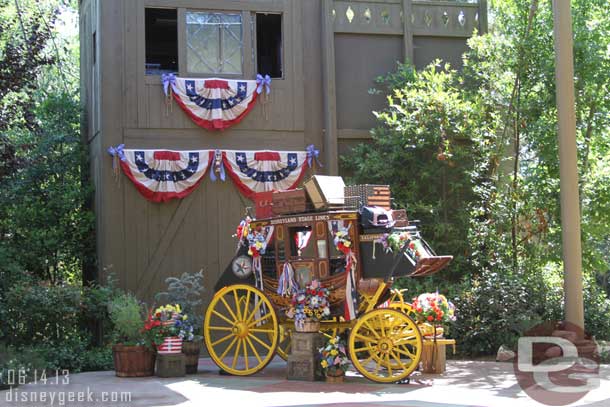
384 342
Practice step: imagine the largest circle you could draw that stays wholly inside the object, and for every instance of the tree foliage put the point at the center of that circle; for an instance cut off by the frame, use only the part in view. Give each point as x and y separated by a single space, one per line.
473 154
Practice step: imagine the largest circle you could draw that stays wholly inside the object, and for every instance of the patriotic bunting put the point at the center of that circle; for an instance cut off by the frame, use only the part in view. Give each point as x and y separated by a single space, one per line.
161 175
214 104
263 171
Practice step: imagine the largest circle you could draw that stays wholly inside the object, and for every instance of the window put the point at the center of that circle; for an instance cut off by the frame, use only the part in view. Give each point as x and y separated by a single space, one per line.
214 43
161 27
269 44
301 244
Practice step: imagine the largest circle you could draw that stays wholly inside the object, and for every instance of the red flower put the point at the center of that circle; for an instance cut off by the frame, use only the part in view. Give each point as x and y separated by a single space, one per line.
430 318
411 245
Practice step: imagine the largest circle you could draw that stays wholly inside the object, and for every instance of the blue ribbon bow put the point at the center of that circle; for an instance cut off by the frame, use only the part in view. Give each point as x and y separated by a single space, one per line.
117 151
312 154
263 81
168 79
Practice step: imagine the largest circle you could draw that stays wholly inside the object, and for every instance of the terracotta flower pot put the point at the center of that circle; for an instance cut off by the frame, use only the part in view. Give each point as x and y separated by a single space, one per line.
191 350
133 361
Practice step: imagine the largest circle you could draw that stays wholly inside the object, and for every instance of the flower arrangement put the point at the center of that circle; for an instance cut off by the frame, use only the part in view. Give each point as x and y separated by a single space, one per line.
333 358
168 321
342 241
395 242
433 308
310 304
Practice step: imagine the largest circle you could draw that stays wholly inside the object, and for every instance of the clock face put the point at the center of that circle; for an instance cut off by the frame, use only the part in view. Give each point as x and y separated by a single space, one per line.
242 266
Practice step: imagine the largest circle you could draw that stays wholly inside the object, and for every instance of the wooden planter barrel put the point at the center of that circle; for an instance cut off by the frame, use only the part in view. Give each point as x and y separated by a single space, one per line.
191 351
133 361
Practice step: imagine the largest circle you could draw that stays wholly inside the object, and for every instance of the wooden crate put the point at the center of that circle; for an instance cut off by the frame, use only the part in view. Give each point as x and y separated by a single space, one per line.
434 355
368 195
287 202
303 358
171 365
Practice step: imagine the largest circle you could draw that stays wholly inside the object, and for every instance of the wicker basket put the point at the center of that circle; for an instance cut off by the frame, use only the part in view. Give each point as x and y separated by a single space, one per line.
339 378
307 326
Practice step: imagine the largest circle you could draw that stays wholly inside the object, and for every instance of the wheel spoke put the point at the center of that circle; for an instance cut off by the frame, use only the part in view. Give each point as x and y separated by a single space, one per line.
220 328
261 342
228 308
245 314
224 338
405 352
387 358
261 330
397 359
366 348
377 365
219 315
260 361
236 355
237 308
365 338
228 348
366 323
245 353
259 320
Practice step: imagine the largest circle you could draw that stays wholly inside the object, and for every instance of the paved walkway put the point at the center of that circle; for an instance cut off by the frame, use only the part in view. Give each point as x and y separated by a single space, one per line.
465 384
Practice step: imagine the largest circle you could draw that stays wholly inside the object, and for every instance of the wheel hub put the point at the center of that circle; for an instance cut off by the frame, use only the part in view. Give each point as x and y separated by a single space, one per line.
385 345
240 329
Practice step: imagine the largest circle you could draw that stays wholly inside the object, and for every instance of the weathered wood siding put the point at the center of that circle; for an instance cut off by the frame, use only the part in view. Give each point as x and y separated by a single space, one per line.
328 60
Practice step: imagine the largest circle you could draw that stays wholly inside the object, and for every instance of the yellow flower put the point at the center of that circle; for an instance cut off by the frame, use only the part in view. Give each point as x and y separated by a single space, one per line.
333 352
324 364
178 308
184 317
333 341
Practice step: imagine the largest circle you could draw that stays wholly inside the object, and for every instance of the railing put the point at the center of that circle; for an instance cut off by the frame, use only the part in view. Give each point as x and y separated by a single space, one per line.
423 17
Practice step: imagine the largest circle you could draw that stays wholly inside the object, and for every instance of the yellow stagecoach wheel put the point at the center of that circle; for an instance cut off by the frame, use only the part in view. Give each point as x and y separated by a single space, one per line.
385 345
285 340
240 330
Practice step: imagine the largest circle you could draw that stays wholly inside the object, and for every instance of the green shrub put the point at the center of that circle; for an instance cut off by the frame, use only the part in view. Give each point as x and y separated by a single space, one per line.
126 315
185 291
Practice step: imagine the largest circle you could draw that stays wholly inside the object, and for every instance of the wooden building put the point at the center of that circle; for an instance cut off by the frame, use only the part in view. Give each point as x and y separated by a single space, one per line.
323 56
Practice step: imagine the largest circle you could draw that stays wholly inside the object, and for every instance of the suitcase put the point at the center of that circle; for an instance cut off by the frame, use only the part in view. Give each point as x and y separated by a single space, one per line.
263 204
288 202
325 192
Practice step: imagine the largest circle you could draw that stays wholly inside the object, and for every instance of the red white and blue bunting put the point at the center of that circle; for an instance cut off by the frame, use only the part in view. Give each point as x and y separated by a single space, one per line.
264 171
161 175
214 103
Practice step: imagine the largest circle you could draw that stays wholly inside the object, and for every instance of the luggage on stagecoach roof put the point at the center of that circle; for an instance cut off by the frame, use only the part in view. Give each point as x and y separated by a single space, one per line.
325 192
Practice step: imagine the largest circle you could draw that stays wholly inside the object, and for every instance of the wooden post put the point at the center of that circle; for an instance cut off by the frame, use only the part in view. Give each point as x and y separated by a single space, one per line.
568 164
407 11
482 17
330 96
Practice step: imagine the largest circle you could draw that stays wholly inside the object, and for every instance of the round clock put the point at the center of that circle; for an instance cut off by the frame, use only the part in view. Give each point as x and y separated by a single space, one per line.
242 266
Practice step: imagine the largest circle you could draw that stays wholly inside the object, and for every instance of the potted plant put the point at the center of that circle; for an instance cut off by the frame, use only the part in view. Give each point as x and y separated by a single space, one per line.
333 360
164 326
133 356
186 291
308 307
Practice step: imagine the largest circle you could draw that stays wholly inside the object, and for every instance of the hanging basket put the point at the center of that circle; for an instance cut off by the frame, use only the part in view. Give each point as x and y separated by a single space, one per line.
306 326
170 345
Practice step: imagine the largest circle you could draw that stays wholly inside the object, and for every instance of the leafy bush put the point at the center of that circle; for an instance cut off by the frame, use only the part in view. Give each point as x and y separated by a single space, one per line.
126 315
186 291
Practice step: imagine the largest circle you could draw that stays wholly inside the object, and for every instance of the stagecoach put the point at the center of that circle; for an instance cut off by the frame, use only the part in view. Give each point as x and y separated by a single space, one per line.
246 323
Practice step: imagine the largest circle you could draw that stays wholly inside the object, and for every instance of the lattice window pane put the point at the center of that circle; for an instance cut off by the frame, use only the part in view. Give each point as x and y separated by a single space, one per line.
214 43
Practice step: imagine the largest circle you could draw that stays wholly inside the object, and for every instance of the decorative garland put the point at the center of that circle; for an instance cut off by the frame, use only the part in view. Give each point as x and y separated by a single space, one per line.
161 175
215 103
343 243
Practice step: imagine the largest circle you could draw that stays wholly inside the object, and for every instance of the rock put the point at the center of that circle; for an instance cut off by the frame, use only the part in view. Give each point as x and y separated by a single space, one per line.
504 354
553 352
